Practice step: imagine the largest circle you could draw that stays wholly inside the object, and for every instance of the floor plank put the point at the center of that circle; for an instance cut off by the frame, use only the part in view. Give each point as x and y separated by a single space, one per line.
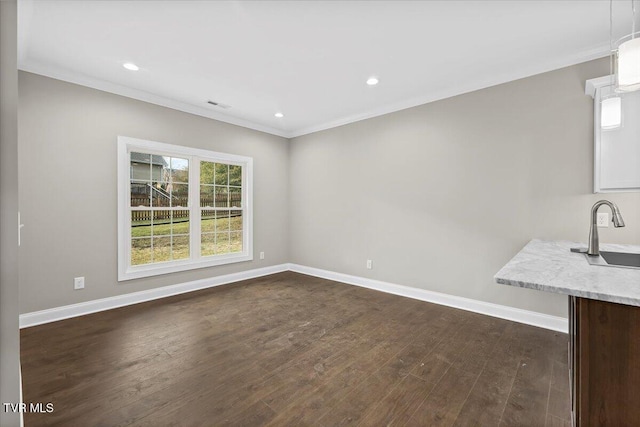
290 349
396 407
444 402
528 399
556 422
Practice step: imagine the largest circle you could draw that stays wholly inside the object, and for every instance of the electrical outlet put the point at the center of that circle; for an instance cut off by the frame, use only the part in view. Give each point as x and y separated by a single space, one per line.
603 219
369 264
78 283
261 255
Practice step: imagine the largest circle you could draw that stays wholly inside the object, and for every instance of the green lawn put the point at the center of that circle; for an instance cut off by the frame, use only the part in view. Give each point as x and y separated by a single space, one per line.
219 236
143 228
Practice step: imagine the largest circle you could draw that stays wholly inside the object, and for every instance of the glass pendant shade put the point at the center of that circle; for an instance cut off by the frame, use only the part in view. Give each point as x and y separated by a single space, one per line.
611 112
627 64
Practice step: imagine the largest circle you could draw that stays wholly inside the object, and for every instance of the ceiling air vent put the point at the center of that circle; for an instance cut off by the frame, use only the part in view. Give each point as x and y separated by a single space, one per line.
218 104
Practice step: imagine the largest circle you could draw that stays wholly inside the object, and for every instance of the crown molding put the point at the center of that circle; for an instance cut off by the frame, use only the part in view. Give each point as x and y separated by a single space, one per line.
471 86
592 85
141 95
448 92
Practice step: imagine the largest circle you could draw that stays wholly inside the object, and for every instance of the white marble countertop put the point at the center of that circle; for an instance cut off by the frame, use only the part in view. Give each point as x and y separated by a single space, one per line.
550 266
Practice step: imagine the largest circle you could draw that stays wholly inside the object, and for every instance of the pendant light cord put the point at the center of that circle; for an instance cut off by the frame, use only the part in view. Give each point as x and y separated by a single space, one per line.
633 19
611 42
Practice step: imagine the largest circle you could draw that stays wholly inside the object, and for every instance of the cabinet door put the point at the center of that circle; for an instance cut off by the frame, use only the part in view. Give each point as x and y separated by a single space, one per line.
617 149
572 356
607 363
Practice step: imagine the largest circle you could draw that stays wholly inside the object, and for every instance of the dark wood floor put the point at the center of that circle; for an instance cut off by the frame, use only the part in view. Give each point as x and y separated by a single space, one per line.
290 349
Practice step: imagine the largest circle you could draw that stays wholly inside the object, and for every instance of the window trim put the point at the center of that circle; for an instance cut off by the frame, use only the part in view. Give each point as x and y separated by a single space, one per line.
125 270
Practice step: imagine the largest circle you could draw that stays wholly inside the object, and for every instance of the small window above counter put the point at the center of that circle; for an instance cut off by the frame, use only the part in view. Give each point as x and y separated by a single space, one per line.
616 137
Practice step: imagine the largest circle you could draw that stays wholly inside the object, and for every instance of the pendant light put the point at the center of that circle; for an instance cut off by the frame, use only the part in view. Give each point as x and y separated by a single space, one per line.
626 54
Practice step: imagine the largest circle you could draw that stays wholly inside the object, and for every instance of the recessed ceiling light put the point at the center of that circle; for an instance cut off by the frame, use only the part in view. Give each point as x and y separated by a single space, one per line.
279 115
372 81
130 66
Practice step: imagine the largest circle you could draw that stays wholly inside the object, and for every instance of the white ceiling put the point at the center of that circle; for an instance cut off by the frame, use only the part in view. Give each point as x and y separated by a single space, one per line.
309 60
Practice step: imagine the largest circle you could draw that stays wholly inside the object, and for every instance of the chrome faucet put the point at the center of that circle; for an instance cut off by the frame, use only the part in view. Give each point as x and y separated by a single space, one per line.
616 217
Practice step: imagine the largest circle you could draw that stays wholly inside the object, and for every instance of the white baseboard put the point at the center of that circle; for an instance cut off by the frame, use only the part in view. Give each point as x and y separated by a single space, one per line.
533 318
80 309
504 312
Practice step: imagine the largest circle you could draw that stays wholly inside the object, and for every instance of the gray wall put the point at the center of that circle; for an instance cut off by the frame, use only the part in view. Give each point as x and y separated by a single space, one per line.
439 196
9 335
442 195
68 187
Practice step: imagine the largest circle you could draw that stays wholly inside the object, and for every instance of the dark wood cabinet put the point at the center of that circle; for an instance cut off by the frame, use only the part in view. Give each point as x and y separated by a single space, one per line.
604 363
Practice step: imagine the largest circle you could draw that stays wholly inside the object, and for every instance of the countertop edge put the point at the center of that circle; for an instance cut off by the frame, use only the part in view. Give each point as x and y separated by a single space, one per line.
539 266
568 292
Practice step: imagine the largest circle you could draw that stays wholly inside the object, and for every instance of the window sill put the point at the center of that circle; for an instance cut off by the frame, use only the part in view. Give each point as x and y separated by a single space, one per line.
177 266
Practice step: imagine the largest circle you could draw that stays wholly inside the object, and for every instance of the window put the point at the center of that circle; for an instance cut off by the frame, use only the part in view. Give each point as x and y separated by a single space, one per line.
181 208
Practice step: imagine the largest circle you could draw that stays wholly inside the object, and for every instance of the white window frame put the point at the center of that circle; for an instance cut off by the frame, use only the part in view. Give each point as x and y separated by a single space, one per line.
126 271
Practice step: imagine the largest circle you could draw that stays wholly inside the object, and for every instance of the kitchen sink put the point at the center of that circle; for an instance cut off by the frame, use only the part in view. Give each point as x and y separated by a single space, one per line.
615 259
621 259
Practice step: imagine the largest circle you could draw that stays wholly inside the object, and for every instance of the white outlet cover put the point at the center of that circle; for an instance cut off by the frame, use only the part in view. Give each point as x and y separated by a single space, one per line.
603 219
78 283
